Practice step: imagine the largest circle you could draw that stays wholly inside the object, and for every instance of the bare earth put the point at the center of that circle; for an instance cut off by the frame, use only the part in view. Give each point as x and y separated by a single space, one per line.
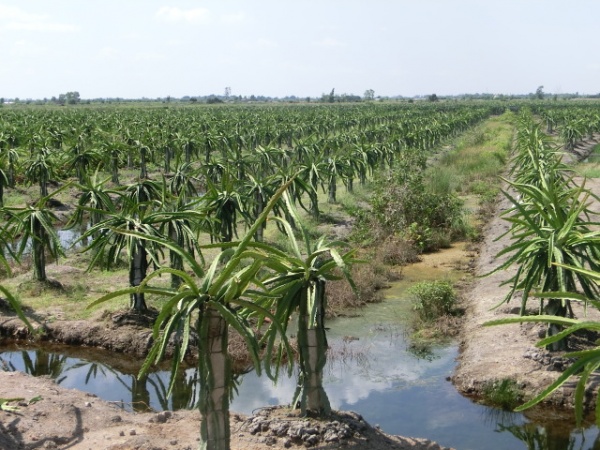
70 419
490 354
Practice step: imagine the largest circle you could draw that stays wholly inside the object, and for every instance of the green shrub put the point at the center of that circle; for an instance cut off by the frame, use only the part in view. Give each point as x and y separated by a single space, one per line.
399 204
419 236
433 299
502 393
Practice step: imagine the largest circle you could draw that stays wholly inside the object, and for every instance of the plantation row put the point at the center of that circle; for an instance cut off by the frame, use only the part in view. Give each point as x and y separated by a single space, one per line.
227 154
572 124
234 158
555 242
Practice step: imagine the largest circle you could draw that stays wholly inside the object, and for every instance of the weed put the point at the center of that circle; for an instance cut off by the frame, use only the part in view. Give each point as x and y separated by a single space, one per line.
346 353
402 203
78 292
477 137
433 299
589 170
369 279
504 394
397 251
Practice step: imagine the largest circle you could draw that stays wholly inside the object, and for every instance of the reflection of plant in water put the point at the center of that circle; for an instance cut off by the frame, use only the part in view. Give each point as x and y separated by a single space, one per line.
347 352
185 386
93 370
536 437
7 366
422 350
494 416
185 390
140 396
50 364
394 332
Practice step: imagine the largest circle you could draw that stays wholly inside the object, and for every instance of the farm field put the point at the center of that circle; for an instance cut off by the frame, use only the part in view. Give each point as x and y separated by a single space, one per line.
375 177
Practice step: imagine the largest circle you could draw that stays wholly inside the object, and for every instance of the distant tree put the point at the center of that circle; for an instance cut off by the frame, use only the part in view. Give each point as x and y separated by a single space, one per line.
432 98
539 93
213 99
331 98
369 95
71 98
227 92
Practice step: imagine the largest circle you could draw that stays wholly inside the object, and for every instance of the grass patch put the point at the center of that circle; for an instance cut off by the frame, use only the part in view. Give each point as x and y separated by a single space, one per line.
588 170
590 167
17 197
433 299
436 316
370 279
476 161
503 394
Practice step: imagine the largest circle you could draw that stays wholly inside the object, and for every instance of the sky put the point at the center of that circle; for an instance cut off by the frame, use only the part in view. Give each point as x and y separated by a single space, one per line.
278 48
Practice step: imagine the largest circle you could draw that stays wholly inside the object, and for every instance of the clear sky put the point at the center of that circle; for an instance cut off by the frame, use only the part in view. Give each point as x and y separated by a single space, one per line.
155 48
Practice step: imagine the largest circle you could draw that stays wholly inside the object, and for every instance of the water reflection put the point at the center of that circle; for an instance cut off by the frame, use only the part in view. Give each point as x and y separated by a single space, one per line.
39 363
68 241
536 437
375 375
120 386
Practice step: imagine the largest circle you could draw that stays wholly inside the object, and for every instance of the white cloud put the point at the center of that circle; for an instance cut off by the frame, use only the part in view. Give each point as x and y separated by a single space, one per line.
107 53
149 56
173 14
14 13
260 43
265 43
329 42
232 19
25 49
16 19
594 67
133 36
41 26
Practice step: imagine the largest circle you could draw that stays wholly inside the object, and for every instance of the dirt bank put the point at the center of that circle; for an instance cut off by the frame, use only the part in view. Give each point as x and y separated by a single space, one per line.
490 354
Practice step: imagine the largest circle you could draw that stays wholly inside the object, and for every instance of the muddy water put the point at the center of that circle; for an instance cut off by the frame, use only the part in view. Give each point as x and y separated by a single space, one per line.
373 369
